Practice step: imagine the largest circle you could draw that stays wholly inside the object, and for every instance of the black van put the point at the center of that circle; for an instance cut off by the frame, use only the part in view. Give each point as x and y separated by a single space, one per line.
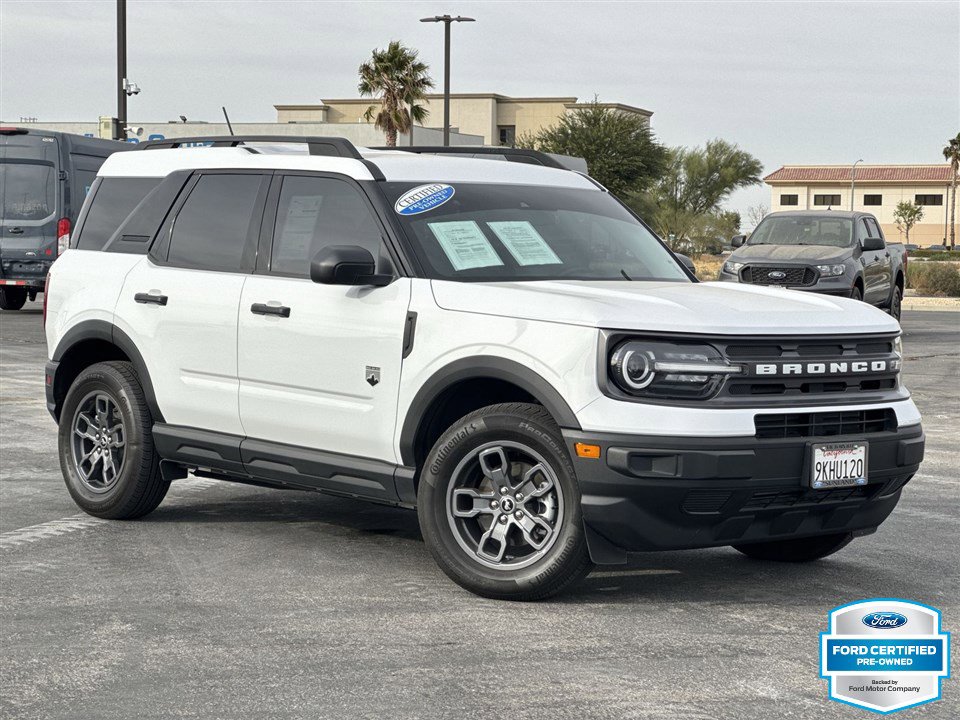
44 178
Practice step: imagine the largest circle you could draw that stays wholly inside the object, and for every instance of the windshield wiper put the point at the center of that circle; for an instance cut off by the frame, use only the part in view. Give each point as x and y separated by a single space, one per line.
624 273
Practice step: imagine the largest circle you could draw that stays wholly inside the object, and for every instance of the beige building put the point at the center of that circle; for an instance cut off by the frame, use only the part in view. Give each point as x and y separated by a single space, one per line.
497 118
878 189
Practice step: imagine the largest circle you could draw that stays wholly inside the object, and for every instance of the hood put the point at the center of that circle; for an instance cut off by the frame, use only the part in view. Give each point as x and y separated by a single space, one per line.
791 254
702 308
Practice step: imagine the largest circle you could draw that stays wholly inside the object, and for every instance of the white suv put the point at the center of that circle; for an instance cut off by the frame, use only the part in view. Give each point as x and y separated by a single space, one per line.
502 345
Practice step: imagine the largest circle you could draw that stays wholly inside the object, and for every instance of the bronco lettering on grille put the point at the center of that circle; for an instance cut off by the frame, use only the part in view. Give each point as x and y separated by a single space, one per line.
844 367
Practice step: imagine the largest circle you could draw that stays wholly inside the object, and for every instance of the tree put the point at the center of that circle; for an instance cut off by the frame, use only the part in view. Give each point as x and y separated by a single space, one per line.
906 216
694 185
399 81
756 213
951 154
621 151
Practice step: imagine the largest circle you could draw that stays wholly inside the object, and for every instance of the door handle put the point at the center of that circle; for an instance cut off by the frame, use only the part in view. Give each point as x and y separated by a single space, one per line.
264 309
148 299
15 231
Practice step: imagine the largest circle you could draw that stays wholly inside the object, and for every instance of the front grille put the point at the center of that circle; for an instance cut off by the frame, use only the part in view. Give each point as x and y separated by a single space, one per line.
831 385
782 426
789 275
770 499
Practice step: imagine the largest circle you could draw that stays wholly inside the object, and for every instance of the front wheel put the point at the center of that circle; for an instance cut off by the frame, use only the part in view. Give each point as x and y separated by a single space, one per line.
12 298
796 551
856 294
499 505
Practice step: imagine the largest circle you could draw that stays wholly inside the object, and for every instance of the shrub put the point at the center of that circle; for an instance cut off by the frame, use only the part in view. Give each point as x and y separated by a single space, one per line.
929 278
935 255
708 266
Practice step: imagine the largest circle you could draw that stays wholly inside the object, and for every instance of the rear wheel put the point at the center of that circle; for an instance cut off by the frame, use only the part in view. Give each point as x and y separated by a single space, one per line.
896 303
12 298
499 505
797 551
106 444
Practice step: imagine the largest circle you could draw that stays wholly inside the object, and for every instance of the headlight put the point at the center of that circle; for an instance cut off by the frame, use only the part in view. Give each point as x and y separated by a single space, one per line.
657 369
831 270
732 267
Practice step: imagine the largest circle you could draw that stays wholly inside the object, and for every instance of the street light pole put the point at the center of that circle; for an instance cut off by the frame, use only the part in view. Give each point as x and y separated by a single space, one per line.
853 181
120 132
446 20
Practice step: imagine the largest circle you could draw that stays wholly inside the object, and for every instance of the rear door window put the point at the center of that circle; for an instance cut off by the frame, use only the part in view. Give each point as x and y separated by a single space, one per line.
114 201
214 229
28 190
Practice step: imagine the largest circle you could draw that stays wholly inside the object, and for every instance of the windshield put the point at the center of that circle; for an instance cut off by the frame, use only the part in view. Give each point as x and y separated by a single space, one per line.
486 232
27 190
803 230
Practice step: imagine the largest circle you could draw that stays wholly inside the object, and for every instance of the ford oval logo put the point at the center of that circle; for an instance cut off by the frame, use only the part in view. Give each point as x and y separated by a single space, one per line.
884 620
776 275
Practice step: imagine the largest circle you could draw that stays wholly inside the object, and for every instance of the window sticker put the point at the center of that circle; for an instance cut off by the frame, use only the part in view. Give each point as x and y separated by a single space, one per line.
423 198
525 244
296 235
465 244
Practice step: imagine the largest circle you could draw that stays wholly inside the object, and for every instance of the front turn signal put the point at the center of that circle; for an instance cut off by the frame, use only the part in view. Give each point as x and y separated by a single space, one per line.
587 451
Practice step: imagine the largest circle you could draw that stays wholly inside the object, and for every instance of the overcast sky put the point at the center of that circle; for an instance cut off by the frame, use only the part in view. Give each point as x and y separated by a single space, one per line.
808 82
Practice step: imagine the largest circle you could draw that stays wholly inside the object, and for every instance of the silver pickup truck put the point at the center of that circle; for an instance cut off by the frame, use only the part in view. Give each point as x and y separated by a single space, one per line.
824 251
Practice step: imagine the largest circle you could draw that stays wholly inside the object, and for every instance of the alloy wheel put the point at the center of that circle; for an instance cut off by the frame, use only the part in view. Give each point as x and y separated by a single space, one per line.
505 505
99 442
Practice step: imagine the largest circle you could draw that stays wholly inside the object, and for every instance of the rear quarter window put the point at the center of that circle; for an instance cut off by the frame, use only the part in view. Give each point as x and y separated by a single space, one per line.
114 200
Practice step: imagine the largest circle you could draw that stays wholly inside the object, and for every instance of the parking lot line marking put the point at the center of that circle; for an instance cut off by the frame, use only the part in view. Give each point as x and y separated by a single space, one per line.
52 528
74 523
631 573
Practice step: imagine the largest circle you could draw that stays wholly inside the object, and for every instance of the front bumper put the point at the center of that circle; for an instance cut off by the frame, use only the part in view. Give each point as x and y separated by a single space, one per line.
671 493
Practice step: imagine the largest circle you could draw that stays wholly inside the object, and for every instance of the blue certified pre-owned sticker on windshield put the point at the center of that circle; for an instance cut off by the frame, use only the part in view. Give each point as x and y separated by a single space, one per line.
885 654
423 198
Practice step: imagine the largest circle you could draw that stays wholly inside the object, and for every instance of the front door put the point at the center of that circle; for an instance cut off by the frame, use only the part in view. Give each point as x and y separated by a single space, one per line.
873 268
319 365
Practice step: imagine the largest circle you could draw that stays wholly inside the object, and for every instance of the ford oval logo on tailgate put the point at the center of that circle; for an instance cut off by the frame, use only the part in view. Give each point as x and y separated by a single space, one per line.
776 275
884 620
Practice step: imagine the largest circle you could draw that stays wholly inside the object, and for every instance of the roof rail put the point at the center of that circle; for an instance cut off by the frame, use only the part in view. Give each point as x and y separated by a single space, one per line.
521 155
328 146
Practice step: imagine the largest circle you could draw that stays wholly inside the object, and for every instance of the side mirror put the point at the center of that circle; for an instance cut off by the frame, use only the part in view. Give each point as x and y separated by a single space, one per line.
346 265
873 243
738 240
687 263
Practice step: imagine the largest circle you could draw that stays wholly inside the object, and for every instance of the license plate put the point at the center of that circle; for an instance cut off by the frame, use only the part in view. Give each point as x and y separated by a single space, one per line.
836 465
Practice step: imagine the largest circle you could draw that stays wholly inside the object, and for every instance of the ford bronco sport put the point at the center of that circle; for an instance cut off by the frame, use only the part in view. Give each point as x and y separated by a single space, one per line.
503 346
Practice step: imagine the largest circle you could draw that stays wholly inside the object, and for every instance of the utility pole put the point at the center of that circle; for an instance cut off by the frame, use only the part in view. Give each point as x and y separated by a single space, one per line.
121 132
446 20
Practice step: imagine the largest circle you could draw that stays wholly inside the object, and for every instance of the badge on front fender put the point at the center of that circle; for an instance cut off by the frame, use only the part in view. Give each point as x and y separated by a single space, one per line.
884 654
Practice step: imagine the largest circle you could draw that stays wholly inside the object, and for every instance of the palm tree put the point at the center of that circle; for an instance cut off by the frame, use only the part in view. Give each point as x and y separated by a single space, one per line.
951 153
399 81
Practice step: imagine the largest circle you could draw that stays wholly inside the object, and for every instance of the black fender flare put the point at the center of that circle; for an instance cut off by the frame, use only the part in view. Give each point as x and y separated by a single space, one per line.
108 332
478 367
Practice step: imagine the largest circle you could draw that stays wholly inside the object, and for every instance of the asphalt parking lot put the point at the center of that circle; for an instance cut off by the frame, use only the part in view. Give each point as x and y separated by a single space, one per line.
232 601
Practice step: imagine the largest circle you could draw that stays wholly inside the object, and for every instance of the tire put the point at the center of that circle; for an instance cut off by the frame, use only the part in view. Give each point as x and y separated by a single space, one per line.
796 551
12 298
104 397
896 303
543 550
856 293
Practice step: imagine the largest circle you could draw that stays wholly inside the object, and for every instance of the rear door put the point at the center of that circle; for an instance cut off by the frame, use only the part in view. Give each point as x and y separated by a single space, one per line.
179 304
30 203
325 374
873 290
